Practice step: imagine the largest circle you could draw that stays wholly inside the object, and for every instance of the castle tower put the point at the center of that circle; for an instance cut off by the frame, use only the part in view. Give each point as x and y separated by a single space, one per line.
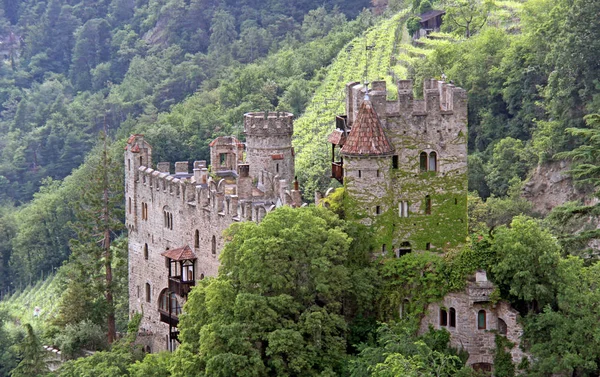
366 154
404 164
269 144
137 153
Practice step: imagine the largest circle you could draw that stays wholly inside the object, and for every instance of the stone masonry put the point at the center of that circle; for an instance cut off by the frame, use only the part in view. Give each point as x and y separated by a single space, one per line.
168 210
473 322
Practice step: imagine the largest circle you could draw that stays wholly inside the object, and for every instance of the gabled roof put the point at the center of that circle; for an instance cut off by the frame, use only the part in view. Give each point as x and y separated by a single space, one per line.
367 137
431 14
183 253
337 137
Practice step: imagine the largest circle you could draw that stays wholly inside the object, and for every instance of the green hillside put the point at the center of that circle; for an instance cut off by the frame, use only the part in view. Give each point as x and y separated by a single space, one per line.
315 124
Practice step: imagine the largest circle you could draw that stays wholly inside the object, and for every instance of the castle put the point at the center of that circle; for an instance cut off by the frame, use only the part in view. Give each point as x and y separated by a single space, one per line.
402 161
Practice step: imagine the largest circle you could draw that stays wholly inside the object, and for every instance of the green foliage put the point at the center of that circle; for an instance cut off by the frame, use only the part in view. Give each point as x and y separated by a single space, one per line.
276 306
413 24
76 337
32 356
525 269
467 16
399 353
564 339
503 365
510 160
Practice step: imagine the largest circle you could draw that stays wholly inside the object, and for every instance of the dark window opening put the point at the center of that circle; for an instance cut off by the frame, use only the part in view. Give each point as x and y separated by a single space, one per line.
428 246
128 164
141 161
277 168
395 162
148 292
197 239
222 158
146 251
423 162
484 369
404 249
214 245
359 174
452 317
481 325
427 205
377 173
383 249
455 201
502 328
443 317
378 210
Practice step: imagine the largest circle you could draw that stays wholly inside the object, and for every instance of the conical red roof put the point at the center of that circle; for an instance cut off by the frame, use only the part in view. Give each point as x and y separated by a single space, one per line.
367 137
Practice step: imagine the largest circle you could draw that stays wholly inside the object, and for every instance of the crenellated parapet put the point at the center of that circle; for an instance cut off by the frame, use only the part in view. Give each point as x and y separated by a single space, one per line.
268 123
439 99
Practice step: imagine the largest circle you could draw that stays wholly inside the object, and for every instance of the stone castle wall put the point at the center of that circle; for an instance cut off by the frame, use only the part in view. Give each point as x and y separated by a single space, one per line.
436 126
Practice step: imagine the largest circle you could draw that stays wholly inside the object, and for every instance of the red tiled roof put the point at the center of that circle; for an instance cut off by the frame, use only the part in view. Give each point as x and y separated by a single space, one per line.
367 137
135 149
183 253
277 156
337 137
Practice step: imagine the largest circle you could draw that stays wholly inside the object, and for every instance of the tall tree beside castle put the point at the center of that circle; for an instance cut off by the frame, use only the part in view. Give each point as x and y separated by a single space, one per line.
99 221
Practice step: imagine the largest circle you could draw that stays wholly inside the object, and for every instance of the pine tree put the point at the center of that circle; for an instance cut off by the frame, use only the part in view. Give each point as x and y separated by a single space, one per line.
100 215
33 357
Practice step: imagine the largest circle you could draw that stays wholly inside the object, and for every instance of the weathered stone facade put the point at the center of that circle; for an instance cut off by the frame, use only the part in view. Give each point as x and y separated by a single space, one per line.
415 194
171 210
473 322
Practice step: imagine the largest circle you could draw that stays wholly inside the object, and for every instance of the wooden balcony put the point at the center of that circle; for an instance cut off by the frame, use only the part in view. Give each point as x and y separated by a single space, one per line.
170 319
337 171
179 287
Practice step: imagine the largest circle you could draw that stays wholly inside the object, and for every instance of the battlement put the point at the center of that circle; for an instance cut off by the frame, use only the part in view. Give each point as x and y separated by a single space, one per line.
268 123
235 197
440 98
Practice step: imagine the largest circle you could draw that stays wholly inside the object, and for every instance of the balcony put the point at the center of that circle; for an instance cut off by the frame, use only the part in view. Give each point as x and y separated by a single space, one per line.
168 318
179 287
337 171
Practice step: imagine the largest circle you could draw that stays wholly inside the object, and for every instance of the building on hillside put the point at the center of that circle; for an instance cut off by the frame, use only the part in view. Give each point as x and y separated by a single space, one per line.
403 163
474 321
175 219
431 21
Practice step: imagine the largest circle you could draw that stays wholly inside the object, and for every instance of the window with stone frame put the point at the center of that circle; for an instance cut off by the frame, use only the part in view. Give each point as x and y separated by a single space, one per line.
452 317
148 292
481 320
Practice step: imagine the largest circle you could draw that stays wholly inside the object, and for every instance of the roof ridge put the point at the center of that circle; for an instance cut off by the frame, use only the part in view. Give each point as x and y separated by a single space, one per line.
367 137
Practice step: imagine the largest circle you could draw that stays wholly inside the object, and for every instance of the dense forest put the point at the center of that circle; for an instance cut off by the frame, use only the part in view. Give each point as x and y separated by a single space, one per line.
77 77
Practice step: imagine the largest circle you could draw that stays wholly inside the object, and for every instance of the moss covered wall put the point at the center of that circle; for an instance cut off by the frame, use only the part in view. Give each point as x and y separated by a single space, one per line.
436 124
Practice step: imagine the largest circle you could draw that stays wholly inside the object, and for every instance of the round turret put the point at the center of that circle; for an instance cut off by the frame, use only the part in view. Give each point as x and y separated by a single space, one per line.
269 144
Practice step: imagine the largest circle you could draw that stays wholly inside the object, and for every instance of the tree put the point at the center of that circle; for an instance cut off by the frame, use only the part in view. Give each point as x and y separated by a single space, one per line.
510 160
277 306
32 355
468 15
99 217
527 257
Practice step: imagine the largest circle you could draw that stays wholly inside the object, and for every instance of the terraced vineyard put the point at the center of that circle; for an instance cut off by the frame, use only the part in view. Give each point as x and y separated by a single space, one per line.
21 305
312 128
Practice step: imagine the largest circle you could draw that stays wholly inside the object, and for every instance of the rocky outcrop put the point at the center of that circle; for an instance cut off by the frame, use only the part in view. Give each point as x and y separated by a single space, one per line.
550 185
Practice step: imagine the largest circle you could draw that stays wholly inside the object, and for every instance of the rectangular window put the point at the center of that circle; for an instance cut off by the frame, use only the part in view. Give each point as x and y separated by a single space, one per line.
427 205
395 162
378 210
222 158
148 293
403 208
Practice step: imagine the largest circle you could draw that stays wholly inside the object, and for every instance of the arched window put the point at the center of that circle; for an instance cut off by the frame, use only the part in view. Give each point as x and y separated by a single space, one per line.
481 324
452 320
423 162
443 317
428 205
201 276
214 245
502 328
168 303
197 239
432 161
146 251
187 272
148 292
